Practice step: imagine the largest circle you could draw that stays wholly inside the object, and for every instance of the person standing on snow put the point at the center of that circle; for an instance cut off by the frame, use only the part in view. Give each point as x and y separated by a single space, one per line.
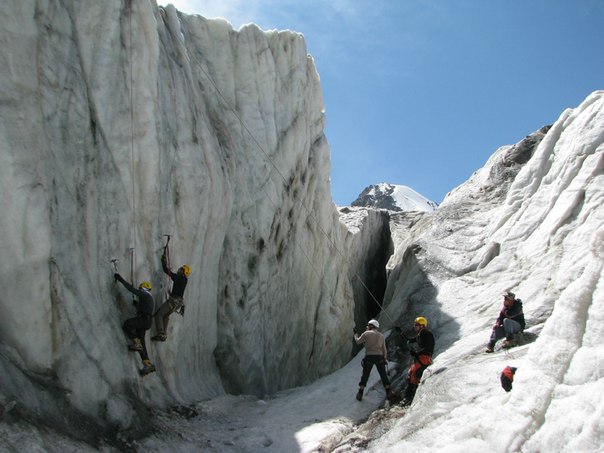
510 322
175 302
136 328
375 354
422 354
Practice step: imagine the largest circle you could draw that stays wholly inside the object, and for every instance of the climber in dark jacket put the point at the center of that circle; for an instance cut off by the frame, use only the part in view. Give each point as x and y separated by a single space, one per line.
136 328
175 302
510 322
422 354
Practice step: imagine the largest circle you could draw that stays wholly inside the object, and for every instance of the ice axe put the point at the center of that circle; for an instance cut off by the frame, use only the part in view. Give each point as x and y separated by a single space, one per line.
167 250
114 261
166 260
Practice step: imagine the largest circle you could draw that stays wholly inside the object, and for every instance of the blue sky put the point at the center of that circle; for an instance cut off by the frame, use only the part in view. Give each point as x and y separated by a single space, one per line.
422 92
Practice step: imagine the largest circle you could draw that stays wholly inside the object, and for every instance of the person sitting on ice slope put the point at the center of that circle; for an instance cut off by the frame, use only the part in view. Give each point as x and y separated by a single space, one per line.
510 322
422 354
136 328
175 302
375 354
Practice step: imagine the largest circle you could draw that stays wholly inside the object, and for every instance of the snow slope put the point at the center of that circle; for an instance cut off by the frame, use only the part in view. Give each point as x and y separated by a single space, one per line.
537 229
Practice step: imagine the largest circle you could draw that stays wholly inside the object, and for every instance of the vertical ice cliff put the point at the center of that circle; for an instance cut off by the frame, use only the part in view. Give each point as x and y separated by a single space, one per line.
122 122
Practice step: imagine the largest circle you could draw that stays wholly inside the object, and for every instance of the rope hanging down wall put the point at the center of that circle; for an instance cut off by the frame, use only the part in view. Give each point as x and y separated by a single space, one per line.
273 164
132 156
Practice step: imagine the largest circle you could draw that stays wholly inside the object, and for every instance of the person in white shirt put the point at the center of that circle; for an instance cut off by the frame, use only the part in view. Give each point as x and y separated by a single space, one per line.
375 354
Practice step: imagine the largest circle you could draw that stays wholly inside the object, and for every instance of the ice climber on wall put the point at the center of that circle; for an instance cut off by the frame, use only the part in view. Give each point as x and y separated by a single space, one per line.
422 354
136 328
510 322
175 302
375 354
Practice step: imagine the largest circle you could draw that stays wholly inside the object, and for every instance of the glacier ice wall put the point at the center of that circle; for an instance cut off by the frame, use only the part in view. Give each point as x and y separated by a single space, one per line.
122 122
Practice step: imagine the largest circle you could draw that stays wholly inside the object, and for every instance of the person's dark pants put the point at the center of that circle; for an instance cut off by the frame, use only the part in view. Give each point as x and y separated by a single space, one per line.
162 317
410 392
507 330
137 328
380 364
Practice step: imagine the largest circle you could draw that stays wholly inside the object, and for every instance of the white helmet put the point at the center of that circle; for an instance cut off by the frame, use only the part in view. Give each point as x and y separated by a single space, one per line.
374 323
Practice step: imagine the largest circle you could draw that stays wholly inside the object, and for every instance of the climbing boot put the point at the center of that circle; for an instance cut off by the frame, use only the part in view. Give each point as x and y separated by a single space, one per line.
159 337
490 347
136 345
148 367
360 394
507 344
409 394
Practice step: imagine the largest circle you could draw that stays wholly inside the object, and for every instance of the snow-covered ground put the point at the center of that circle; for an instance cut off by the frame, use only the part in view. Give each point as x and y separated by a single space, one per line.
311 418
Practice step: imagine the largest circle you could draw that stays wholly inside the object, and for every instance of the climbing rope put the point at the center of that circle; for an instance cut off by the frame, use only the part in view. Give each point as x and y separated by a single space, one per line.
132 170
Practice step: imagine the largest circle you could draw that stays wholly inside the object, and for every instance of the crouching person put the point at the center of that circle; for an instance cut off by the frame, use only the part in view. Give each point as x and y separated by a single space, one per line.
509 323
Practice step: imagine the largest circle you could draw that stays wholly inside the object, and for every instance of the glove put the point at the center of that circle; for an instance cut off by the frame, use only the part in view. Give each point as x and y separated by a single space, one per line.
414 354
181 310
354 330
398 330
134 302
117 277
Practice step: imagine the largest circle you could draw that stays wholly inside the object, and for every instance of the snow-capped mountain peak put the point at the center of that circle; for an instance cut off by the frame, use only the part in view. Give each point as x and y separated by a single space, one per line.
393 197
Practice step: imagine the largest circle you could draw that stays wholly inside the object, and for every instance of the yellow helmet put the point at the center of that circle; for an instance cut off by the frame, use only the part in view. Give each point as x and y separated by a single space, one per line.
146 285
186 270
422 321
